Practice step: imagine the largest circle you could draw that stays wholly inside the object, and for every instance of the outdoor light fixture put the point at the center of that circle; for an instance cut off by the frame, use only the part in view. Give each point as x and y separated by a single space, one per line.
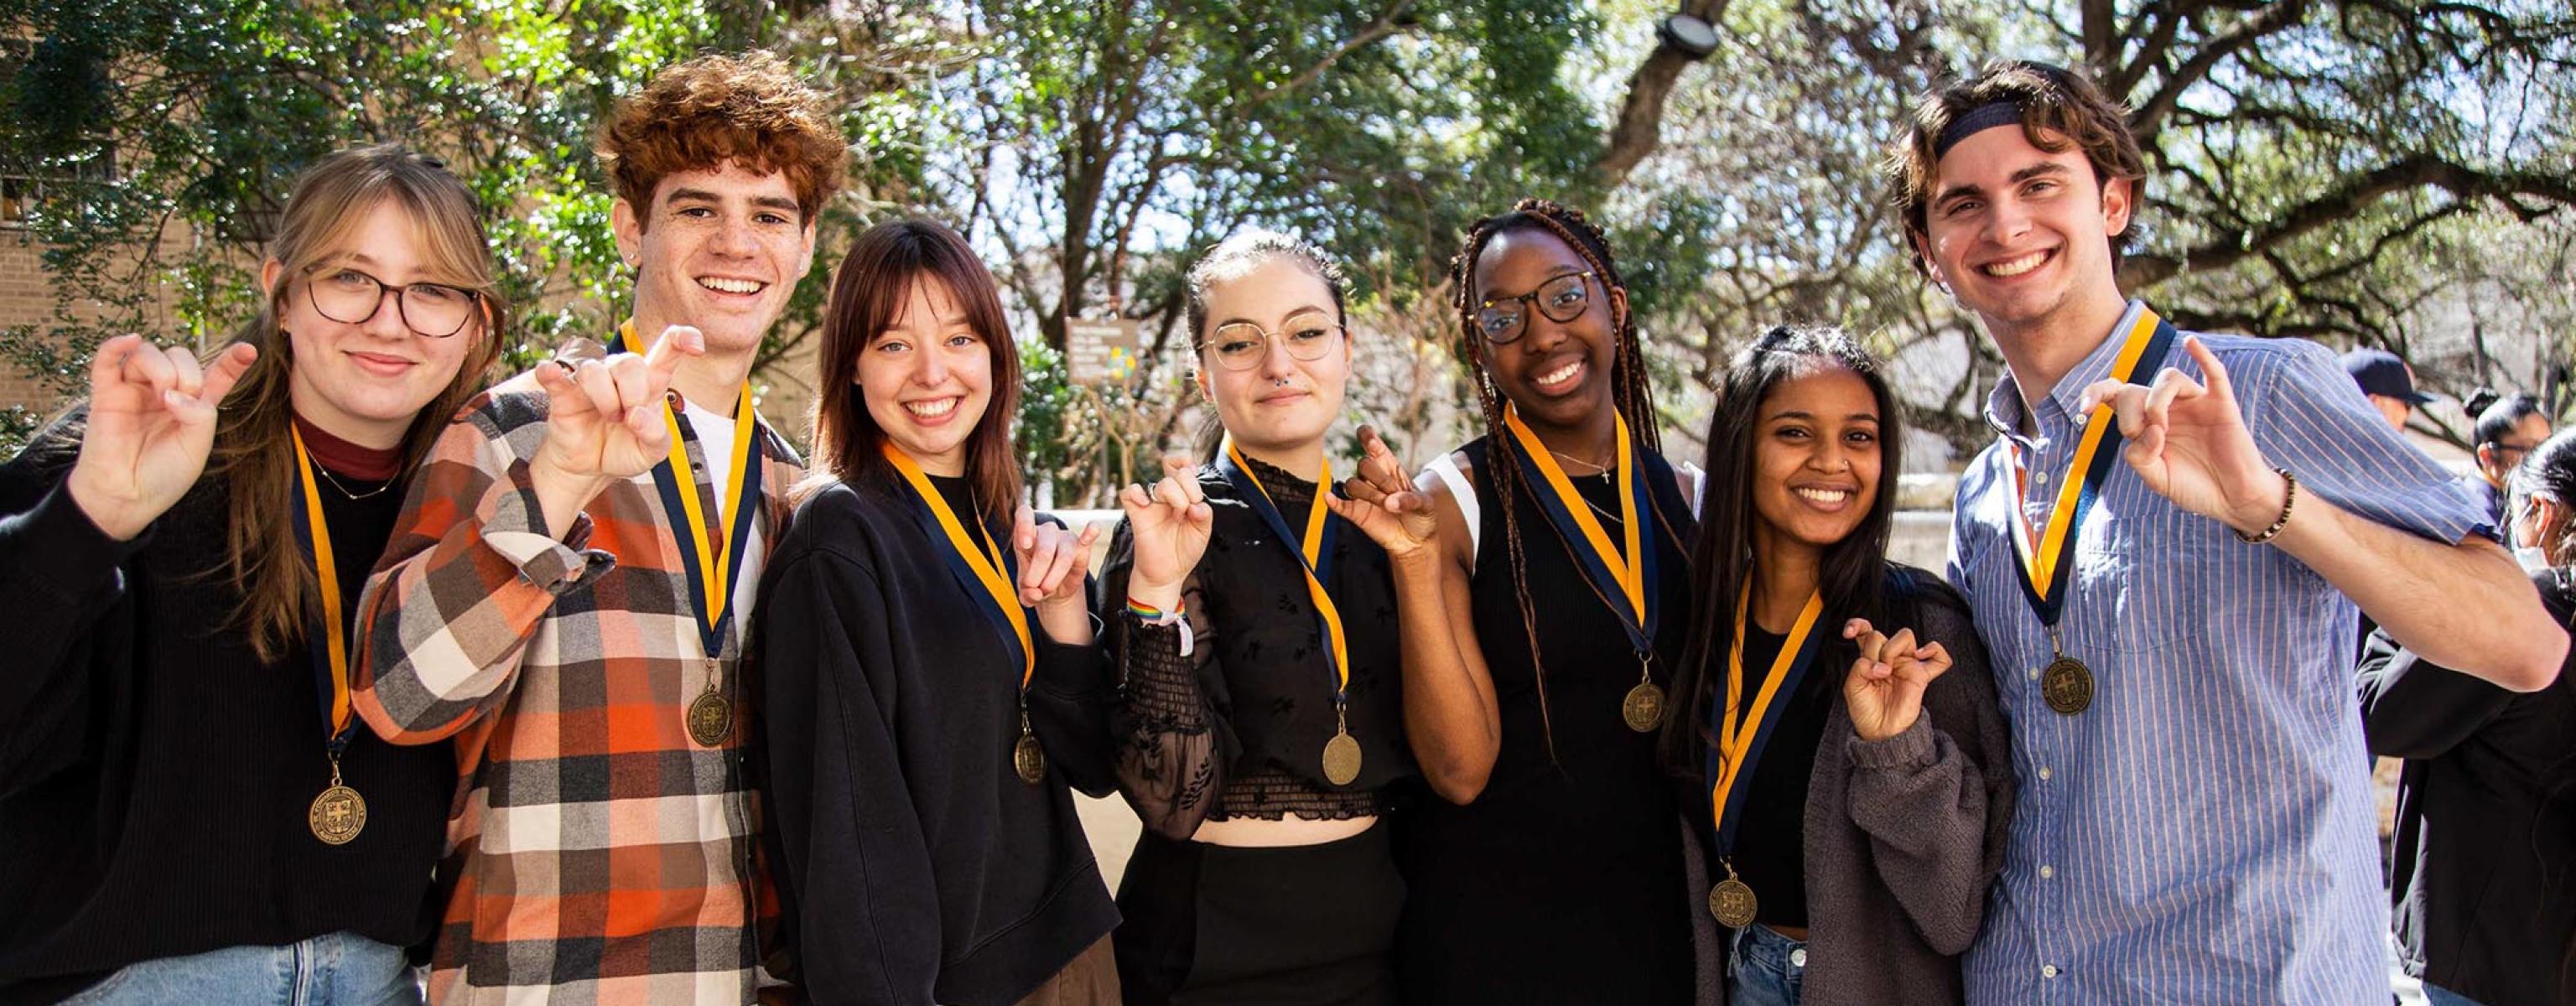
1688 34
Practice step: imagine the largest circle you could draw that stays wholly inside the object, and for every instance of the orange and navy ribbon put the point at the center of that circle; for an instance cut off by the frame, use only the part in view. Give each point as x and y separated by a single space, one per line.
2042 565
1623 572
331 659
1314 549
712 546
1742 731
981 566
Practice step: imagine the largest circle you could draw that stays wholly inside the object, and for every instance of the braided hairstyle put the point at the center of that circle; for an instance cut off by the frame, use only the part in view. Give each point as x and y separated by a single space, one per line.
1631 394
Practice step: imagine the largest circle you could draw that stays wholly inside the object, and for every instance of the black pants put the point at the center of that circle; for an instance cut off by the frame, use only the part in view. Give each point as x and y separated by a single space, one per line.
1307 925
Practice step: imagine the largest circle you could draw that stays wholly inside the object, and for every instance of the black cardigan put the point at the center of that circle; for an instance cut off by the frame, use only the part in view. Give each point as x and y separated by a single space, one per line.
154 773
914 865
2484 875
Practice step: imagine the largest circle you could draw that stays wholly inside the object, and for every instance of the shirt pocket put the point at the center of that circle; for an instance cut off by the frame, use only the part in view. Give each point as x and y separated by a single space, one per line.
2139 564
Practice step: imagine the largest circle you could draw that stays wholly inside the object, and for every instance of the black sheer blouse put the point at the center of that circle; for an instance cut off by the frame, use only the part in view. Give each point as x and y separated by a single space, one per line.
1236 728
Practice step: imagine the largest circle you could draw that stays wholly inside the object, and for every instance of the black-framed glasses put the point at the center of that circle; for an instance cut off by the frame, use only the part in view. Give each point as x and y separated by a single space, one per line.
1502 320
352 297
1240 345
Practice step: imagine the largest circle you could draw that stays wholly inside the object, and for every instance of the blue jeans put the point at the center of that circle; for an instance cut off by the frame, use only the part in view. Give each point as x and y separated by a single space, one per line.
2439 996
1764 968
341 969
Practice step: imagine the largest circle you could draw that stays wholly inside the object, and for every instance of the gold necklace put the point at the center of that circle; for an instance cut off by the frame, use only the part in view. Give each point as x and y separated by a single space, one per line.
344 490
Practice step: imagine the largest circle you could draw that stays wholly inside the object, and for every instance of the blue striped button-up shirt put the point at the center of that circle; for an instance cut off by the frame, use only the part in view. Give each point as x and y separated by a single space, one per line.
2203 832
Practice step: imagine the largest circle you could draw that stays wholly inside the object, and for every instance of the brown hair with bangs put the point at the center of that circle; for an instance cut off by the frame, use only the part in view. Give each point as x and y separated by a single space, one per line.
254 456
869 294
749 110
2058 109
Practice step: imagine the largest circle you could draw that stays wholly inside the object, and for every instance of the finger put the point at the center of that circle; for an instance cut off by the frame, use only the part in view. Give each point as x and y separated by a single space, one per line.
1935 658
107 367
228 368
191 379
1033 558
1377 463
1407 500
187 410
601 389
1363 491
1900 644
150 367
1172 493
651 432
564 396
2211 371
1201 515
677 344
1872 644
1089 534
1852 629
1134 500
1024 527
634 383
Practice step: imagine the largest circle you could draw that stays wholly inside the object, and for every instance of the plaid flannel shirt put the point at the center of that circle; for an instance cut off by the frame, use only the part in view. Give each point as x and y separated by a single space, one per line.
595 852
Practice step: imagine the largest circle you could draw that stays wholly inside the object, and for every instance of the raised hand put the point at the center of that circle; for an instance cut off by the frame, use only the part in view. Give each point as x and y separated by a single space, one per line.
1884 691
1052 561
2189 442
151 425
604 417
1169 524
1384 504
604 423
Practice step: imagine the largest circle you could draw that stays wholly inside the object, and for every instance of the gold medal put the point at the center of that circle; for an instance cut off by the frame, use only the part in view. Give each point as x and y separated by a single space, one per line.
2067 685
1341 759
1732 901
1028 758
339 814
1644 707
710 718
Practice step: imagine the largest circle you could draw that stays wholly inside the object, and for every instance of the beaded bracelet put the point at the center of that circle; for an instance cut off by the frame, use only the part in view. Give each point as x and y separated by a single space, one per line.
2288 500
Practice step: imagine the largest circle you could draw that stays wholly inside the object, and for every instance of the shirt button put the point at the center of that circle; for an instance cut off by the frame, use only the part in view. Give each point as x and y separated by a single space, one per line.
2033 673
2044 773
2047 872
2048 971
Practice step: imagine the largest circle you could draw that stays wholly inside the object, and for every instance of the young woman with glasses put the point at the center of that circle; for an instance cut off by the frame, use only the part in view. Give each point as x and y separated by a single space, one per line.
1554 872
188 810
1282 642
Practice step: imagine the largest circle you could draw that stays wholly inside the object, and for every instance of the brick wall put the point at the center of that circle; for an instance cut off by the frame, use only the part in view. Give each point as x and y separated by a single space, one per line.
26 298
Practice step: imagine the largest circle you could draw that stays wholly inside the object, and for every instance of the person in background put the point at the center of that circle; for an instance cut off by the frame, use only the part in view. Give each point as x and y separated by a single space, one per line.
2388 381
2507 428
2484 872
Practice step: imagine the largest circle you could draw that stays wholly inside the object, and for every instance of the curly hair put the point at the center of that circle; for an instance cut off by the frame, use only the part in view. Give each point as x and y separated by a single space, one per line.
1632 394
750 110
2058 109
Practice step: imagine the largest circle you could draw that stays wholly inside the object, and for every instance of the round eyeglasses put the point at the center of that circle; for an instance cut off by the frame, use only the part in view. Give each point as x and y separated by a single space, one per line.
1502 320
351 297
1240 345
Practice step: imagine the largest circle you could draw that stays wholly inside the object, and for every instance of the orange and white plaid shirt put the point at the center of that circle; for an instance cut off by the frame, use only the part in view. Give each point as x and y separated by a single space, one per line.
596 853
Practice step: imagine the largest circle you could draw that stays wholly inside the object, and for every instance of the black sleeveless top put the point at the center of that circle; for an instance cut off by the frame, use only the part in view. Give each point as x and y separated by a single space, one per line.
1563 881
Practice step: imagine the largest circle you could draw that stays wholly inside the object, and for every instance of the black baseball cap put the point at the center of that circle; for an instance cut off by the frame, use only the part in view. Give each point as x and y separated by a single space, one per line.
2380 372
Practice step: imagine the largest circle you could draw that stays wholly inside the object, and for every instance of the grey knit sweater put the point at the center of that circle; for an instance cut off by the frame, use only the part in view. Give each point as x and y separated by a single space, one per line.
1903 836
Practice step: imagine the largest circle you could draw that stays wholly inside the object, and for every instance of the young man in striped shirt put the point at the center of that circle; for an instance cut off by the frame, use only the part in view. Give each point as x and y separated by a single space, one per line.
2162 582
565 593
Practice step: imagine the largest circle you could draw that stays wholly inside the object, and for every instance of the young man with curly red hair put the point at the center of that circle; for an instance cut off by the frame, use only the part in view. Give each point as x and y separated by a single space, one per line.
565 592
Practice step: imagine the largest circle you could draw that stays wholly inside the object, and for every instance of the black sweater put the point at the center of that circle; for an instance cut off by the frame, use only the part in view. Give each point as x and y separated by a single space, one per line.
154 773
914 864
2485 862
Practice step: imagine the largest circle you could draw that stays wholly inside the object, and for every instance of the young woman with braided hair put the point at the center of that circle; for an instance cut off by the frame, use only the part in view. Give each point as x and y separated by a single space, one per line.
1554 872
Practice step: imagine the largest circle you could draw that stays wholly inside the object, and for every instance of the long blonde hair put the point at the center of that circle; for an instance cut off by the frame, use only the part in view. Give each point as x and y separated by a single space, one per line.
254 455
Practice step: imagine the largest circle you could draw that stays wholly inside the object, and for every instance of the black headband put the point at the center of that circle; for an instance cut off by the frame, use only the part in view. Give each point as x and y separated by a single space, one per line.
1978 120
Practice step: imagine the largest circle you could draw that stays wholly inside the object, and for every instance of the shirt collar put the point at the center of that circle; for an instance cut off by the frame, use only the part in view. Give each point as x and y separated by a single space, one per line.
2004 405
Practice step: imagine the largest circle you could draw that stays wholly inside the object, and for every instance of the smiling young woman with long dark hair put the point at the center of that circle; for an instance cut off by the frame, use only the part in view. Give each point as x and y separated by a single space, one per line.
930 690
1843 761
